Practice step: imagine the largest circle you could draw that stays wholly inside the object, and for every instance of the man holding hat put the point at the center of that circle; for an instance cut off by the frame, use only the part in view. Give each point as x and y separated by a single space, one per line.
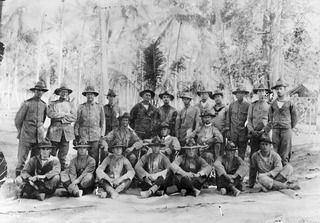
231 170
90 124
152 169
143 116
220 109
29 123
115 173
267 164
111 112
172 145
167 113
41 175
236 119
127 137
191 171
257 120
78 178
204 104
62 113
282 119
188 119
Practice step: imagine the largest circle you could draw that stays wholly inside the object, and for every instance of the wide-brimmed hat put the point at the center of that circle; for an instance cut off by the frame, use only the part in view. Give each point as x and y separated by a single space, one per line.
164 125
40 85
166 93
124 115
111 93
90 89
45 144
145 91
186 95
280 83
63 87
259 88
240 90
191 144
216 92
230 146
156 141
266 138
203 90
118 145
81 145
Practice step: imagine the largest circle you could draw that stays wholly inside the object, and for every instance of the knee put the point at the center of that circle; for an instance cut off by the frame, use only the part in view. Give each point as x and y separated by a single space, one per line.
265 181
55 180
19 181
87 181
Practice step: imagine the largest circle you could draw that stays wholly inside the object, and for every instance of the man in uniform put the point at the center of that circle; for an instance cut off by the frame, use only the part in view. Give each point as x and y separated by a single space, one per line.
231 170
205 103
115 173
257 120
282 119
152 170
191 171
267 163
90 124
172 145
167 113
143 116
29 123
78 178
127 137
236 119
188 119
62 113
41 175
220 109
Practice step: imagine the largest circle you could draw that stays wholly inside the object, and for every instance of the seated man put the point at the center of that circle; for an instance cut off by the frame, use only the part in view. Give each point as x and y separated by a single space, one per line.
172 145
127 137
78 177
267 163
152 170
115 173
41 175
208 134
231 170
191 171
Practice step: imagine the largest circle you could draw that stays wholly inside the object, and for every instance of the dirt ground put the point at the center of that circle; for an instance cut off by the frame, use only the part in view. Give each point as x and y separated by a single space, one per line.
285 206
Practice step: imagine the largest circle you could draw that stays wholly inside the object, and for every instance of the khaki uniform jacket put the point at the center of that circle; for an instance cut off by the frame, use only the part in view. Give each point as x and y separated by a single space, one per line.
79 167
29 120
257 112
111 113
167 114
236 118
151 163
62 114
235 166
34 167
221 117
90 124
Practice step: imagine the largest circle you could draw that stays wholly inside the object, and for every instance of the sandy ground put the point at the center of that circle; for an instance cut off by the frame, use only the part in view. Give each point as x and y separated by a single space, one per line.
285 206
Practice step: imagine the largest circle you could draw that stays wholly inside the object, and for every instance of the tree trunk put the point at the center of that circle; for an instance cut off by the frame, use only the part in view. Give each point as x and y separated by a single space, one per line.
60 66
40 46
176 73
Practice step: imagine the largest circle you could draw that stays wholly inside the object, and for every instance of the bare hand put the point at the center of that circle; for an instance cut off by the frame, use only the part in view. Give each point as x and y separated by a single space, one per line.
117 181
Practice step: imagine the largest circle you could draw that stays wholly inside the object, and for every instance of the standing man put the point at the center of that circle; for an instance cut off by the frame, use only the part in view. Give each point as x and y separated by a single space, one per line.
204 104
62 113
29 123
257 120
143 116
282 119
90 124
167 113
236 119
221 111
188 119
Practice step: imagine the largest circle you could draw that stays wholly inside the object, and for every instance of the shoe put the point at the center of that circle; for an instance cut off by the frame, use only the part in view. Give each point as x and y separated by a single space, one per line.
79 193
183 192
114 194
223 191
40 196
196 192
236 192
294 186
159 193
145 194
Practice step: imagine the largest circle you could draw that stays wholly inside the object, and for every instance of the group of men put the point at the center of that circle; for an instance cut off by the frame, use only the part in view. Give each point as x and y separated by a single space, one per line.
155 147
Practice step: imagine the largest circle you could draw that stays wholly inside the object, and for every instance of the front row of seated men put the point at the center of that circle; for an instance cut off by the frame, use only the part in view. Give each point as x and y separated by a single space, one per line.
188 172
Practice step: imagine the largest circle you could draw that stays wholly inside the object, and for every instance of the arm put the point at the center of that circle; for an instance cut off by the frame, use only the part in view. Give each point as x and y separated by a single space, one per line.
253 170
89 169
172 122
228 118
141 172
21 114
177 125
53 113
56 169
130 171
219 167
242 169
277 166
77 123
249 119
205 168
72 170
294 115
268 127
133 114
100 170
72 116
28 169
175 167
176 144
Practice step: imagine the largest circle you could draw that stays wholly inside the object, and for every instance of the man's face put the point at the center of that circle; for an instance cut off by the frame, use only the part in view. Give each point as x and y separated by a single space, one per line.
230 153
204 96
191 152
45 153
155 149
117 151
146 97
261 94
164 132
186 101
82 151
90 97
38 93
64 94
218 99
124 122
280 91
207 119
265 147
240 96
111 99
166 99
